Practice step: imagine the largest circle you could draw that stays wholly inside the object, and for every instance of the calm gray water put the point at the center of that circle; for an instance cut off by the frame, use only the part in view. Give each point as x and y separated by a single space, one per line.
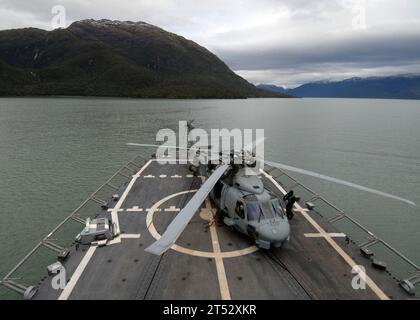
55 152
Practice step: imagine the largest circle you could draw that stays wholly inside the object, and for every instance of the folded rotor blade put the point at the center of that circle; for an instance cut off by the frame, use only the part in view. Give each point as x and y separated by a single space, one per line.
181 221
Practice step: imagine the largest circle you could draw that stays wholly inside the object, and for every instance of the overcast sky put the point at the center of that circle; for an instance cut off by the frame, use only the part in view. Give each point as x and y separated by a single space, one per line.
283 42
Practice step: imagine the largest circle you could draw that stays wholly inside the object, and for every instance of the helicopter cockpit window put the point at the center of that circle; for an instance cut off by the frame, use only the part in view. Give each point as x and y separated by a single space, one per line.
268 211
253 211
240 211
277 209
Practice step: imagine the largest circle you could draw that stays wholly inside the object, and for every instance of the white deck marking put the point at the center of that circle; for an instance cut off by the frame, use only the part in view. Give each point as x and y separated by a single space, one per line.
114 212
176 177
172 209
123 236
323 235
135 209
119 210
189 176
77 273
130 236
149 176
163 176
378 291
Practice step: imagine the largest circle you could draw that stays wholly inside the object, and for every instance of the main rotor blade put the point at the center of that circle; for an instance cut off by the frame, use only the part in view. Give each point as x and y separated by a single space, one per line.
157 146
254 144
339 181
203 149
181 221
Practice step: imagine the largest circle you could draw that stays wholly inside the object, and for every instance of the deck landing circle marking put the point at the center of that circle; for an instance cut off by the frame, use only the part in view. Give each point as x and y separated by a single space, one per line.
178 248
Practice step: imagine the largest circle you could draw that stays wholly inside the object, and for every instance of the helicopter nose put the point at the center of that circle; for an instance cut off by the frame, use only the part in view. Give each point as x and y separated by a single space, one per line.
274 233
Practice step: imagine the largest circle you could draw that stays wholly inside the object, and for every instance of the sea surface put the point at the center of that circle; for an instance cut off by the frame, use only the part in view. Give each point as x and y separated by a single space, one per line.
54 152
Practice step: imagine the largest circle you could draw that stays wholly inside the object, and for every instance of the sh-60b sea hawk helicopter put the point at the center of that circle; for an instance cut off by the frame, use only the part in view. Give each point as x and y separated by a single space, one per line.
247 206
243 203
238 191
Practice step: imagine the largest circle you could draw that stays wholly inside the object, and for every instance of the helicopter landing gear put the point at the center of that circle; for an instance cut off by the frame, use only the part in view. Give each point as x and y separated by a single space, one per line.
219 217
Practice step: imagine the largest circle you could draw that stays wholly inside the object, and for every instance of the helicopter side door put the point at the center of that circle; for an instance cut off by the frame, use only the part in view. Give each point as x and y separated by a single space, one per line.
234 208
240 217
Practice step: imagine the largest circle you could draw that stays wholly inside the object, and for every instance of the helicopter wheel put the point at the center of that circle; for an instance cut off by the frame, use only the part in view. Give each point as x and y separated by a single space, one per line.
218 218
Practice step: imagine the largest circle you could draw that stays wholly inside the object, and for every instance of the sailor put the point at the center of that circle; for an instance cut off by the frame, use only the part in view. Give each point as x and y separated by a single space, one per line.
290 200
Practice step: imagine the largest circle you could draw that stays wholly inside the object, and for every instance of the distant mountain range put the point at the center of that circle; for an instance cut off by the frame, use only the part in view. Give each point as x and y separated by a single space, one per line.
393 87
114 58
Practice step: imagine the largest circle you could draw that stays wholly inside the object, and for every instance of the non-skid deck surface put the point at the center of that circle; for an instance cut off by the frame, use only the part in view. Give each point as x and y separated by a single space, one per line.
208 262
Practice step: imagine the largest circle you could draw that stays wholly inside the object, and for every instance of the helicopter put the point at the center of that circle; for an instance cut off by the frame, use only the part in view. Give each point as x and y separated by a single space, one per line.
238 191
244 203
248 207
236 188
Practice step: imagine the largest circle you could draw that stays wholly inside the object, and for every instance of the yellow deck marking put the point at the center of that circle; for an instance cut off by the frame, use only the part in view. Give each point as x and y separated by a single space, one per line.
206 254
77 273
378 291
220 267
197 253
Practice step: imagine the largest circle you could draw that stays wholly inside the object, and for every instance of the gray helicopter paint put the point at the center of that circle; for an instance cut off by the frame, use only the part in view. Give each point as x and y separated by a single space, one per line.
274 231
249 183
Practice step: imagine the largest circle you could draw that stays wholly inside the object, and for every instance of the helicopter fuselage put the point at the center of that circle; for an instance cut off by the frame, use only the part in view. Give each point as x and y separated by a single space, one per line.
248 207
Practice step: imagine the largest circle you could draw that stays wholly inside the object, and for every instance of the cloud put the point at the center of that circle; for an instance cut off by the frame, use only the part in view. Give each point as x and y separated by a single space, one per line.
293 77
278 41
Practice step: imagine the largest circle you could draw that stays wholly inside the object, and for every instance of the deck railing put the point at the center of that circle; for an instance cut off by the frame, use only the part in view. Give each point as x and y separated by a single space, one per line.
30 271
